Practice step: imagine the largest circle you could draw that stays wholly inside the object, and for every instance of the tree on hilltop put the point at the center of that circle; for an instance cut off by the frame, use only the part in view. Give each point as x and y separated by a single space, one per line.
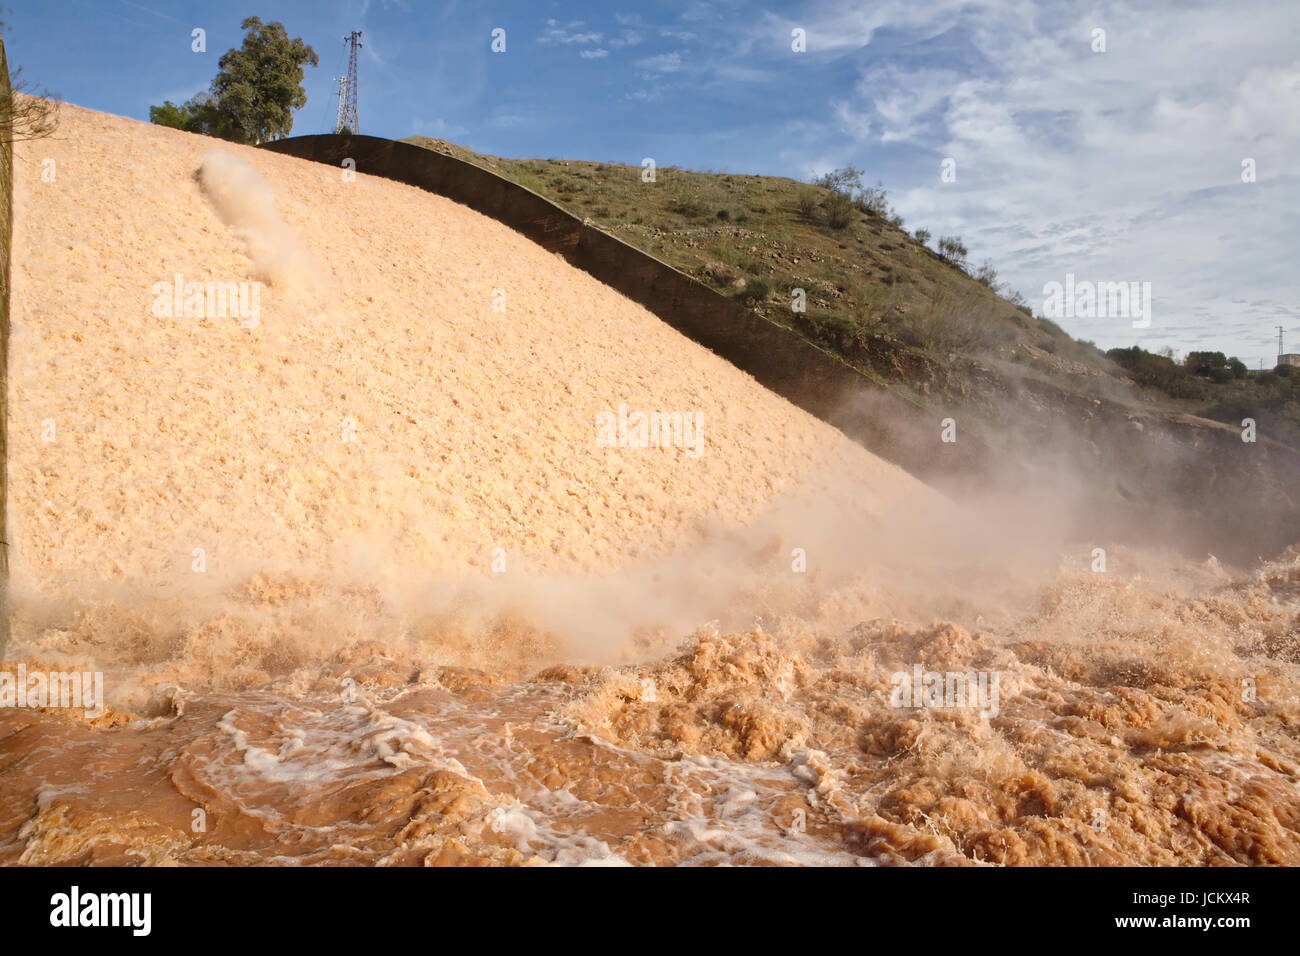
252 98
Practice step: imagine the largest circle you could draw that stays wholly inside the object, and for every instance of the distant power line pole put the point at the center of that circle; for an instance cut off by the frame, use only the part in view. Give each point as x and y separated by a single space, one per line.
1280 350
347 119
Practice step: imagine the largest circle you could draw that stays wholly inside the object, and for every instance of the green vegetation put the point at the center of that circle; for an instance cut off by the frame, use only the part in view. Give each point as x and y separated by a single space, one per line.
952 249
199 114
1215 366
253 96
1220 388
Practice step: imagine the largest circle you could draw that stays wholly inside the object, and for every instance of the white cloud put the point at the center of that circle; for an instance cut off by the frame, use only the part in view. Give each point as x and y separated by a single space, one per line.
557 32
596 54
663 63
1122 165
628 38
504 119
837 28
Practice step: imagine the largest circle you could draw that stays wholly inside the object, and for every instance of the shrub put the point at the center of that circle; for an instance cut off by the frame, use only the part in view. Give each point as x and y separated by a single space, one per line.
718 274
867 199
1215 366
839 211
1158 371
872 201
807 205
846 180
755 291
25 113
952 249
690 208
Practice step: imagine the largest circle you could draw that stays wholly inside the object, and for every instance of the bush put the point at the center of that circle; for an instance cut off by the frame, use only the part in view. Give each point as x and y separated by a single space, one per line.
690 208
1157 371
199 114
718 274
839 211
755 291
923 236
873 202
846 180
870 200
26 114
952 249
1215 366
807 205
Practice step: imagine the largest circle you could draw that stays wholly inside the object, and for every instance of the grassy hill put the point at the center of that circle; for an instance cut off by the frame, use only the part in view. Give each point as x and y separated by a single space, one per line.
927 326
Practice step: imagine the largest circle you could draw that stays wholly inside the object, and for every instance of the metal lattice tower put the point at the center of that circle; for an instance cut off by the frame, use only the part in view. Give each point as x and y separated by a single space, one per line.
342 121
348 87
1279 344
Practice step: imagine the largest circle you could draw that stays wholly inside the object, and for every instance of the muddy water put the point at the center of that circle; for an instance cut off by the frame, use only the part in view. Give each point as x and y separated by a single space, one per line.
1138 720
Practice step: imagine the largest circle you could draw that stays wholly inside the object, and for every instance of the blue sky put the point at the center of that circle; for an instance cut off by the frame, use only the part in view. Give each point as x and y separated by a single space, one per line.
1122 165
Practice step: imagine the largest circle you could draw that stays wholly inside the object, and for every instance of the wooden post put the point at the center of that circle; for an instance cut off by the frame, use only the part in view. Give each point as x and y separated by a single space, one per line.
6 233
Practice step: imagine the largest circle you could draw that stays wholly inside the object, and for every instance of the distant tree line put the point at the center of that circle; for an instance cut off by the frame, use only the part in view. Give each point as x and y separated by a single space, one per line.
1185 379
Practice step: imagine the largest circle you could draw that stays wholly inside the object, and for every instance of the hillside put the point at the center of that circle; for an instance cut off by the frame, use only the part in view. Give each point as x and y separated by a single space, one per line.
875 295
934 331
